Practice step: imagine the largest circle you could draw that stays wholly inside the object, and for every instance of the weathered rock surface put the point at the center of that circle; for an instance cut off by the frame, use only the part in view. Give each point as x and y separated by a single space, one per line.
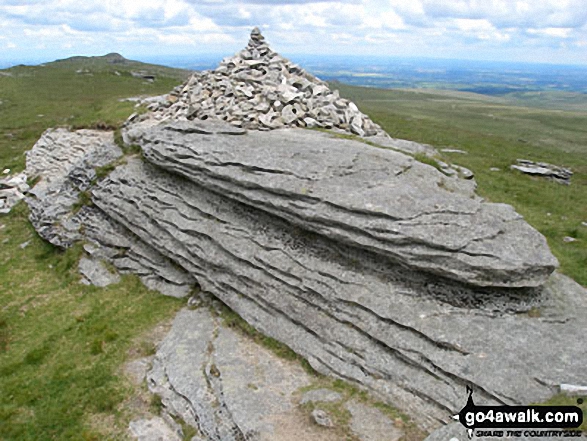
378 199
226 386
153 429
414 340
12 190
96 273
554 172
370 424
259 89
65 162
320 395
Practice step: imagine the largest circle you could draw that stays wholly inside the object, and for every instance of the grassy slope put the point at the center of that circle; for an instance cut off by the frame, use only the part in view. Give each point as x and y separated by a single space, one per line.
495 135
35 98
62 343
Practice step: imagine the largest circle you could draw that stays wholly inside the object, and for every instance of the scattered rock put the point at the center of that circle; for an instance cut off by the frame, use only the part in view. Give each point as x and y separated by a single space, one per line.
12 190
154 429
495 169
454 151
559 174
96 272
322 418
584 224
6 171
568 239
370 424
571 389
24 244
320 395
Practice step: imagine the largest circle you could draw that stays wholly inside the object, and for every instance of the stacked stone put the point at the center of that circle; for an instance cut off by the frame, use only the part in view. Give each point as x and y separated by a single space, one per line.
258 89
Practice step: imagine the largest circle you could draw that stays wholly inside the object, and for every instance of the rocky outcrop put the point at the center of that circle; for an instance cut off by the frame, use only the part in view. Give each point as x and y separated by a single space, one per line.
415 340
377 199
226 386
259 89
65 163
376 268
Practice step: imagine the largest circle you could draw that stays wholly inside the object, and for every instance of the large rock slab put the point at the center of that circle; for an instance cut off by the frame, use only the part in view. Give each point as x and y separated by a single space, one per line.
377 199
227 386
414 340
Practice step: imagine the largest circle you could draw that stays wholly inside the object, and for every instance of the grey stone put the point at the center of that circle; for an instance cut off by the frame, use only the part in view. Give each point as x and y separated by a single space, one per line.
225 385
320 395
555 172
415 340
137 369
462 152
153 429
569 239
96 273
573 389
374 198
370 424
322 418
65 163
24 244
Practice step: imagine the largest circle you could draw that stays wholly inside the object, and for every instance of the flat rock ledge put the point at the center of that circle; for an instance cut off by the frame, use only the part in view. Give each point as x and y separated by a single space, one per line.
377 199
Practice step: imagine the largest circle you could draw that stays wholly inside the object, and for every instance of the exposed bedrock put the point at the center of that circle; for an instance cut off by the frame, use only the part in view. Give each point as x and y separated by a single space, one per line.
415 340
346 190
64 163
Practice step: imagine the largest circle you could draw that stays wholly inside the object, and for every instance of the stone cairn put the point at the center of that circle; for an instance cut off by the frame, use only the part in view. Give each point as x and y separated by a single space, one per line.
260 90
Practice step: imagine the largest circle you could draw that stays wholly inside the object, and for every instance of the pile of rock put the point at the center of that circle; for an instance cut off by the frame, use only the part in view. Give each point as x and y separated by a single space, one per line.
554 172
259 89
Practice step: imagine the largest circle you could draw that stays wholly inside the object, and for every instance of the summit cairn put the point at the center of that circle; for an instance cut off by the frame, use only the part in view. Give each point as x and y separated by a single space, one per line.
259 89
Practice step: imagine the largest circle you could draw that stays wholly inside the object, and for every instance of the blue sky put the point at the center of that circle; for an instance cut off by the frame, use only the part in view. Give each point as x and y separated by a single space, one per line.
551 31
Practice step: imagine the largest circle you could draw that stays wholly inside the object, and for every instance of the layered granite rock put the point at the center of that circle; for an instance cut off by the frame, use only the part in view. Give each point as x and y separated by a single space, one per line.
64 164
259 89
415 340
377 199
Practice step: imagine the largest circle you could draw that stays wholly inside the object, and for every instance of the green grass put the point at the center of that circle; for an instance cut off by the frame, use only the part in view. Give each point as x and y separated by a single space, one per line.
495 134
62 343
35 98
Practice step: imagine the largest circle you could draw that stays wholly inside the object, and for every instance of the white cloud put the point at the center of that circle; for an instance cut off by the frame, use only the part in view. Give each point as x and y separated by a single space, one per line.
552 32
458 28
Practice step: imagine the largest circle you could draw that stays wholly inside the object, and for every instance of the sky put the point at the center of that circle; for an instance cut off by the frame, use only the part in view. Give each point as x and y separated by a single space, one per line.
541 31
